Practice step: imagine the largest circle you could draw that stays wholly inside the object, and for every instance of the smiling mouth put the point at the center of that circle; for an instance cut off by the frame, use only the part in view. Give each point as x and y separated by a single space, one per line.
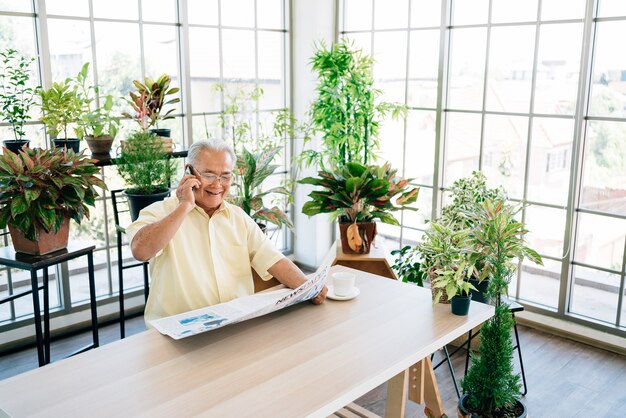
214 193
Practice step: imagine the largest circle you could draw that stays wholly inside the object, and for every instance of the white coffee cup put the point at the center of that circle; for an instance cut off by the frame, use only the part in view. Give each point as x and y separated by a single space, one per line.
343 283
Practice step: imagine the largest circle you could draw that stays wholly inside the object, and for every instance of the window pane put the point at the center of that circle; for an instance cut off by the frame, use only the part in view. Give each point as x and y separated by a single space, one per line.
562 9
18 33
25 6
503 11
595 294
540 284
390 56
67 7
204 70
550 160
546 228
611 8
557 68
118 54
420 146
462 146
70 47
391 14
392 142
362 41
423 68
609 71
202 12
116 9
205 127
420 218
238 54
270 14
158 11
238 13
510 69
470 12
604 167
600 241
271 48
467 68
358 15
425 13
161 55
504 152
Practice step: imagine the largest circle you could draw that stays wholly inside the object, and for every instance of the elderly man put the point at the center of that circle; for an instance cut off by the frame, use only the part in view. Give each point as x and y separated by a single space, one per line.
203 248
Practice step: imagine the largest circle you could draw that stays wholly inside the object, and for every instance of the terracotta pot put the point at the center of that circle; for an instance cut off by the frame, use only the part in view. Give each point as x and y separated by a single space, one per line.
46 242
100 145
464 413
167 143
367 234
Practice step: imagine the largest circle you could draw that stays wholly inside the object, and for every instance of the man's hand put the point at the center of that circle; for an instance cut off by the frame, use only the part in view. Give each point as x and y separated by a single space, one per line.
185 190
321 297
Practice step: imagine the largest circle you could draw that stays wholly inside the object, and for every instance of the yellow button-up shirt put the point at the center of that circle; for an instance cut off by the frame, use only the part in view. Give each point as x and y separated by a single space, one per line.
208 261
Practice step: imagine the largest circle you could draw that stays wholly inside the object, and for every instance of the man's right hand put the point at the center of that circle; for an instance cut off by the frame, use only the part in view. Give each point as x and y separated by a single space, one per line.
185 191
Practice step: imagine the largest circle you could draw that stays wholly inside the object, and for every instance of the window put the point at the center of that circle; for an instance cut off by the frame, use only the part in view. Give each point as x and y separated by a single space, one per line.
519 104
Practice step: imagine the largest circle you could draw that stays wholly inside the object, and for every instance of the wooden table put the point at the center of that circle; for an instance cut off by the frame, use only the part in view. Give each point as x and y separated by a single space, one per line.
305 360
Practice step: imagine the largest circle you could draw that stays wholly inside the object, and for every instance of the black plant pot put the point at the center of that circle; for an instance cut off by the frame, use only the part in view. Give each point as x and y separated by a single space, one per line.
480 294
464 413
15 145
460 304
137 202
72 143
164 132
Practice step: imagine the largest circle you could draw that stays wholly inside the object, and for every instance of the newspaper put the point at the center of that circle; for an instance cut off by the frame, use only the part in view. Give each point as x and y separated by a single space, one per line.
240 309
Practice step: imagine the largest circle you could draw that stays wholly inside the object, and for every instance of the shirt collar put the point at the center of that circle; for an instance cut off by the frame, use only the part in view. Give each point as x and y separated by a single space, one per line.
223 209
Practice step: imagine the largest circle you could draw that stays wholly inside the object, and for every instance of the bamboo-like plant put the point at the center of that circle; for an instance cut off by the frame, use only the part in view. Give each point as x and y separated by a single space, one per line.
346 110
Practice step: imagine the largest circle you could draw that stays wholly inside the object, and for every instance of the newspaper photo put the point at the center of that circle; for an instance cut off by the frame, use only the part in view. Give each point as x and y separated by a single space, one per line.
240 309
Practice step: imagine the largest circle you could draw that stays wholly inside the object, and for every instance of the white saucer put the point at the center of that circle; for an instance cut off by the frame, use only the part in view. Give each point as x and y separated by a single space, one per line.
331 294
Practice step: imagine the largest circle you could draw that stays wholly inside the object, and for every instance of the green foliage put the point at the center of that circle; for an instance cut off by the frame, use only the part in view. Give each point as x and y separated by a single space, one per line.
61 105
500 239
40 188
345 110
144 165
490 381
407 267
360 193
150 99
94 121
453 281
16 97
252 170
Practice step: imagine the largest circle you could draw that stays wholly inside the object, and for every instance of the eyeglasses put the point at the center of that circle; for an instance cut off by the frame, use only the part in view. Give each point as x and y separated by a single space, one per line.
212 178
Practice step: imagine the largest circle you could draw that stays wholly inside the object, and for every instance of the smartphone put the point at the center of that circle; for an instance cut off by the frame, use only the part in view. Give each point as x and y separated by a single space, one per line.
189 170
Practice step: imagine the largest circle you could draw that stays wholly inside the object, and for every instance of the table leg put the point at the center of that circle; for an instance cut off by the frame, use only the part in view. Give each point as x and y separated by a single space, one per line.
46 316
37 316
396 395
92 298
423 388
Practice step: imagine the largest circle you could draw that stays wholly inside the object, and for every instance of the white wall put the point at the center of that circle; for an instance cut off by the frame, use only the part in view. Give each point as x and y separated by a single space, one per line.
312 21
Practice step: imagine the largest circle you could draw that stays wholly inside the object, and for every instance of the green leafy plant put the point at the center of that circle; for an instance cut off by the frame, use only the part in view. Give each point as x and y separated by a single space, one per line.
360 193
407 266
16 96
346 111
490 383
252 170
453 281
40 188
95 121
144 165
61 105
150 99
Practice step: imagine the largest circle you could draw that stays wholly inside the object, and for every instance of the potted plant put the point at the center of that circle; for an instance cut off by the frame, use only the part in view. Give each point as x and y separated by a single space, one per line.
346 110
407 266
490 386
252 170
41 190
454 282
62 106
16 96
148 103
146 169
442 250
358 194
97 124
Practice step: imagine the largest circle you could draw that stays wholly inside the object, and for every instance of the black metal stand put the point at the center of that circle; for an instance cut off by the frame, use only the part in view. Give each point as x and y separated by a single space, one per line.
9 258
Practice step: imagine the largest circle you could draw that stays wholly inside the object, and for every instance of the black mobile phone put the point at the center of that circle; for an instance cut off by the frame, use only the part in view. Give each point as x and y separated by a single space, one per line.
189 170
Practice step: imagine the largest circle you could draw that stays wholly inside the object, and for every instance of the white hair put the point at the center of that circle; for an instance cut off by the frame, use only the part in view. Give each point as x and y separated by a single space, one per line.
212 145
